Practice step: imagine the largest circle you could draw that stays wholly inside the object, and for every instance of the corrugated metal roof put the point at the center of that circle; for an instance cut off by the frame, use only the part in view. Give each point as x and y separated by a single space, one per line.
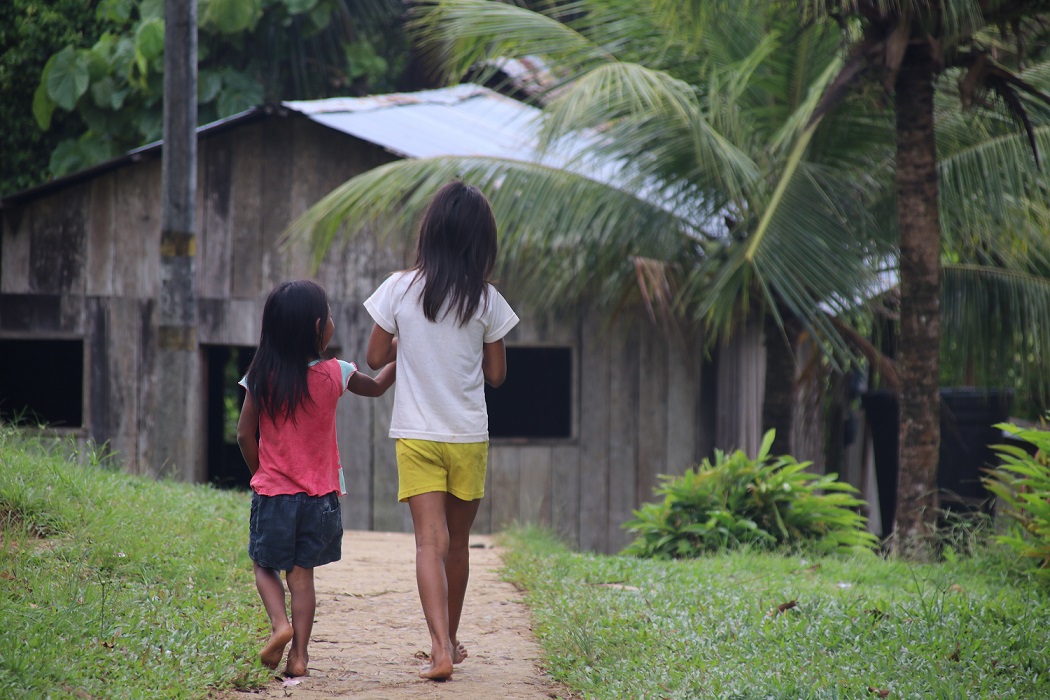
463 120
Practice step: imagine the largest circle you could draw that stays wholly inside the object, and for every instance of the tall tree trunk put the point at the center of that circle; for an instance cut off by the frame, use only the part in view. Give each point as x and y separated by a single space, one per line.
920 329
177 372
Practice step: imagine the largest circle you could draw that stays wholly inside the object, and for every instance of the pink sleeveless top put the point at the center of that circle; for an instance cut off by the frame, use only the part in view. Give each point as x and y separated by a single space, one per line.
303 456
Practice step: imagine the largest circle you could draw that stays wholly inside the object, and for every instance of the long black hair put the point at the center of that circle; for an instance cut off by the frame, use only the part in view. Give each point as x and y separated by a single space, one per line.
290 339
456 251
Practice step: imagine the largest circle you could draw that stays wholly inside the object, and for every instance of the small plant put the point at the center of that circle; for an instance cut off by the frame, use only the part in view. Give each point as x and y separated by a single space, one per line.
736 501
1022 483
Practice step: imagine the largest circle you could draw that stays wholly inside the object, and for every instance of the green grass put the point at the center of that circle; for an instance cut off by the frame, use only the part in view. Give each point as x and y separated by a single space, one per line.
620 627
119 586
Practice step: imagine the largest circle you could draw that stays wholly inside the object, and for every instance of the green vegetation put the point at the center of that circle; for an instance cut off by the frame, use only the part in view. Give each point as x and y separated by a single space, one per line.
1022 484
117 586
772 626
765 502
30 31
83 81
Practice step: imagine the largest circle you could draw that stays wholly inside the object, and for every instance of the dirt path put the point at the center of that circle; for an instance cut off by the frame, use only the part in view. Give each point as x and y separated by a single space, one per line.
370 638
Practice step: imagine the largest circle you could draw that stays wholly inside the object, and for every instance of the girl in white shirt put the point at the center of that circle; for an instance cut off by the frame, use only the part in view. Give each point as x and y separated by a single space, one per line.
444 324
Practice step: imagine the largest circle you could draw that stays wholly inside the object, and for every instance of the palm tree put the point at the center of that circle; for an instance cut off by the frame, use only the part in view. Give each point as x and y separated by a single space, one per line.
754 174
906 45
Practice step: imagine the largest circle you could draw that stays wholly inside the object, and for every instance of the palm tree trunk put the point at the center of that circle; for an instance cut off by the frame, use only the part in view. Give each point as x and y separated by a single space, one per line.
920 248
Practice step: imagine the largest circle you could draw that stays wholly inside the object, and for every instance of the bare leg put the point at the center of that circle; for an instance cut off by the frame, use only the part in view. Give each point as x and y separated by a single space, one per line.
428 521
460 516
271 590
304 605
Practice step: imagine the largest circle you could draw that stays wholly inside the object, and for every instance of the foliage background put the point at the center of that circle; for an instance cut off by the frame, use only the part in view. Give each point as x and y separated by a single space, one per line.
30 31
83 81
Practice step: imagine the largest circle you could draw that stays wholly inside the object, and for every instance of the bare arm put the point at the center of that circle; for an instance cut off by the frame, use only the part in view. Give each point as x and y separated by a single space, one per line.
382 348
247 430
494 363
364 385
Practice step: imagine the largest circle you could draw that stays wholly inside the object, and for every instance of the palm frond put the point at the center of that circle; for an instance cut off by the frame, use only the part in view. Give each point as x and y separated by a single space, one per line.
563 236
461 35
645 119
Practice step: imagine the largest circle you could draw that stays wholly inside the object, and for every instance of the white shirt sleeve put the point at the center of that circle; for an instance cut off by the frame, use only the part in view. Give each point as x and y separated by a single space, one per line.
380 306
499 317
348 369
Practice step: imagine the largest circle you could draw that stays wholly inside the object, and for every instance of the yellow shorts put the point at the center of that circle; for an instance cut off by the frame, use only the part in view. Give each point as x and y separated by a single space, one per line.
453 467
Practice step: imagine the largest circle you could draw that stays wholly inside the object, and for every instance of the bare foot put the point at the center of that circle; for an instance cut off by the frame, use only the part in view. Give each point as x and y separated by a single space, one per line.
272 653
459 652
440 668
297 666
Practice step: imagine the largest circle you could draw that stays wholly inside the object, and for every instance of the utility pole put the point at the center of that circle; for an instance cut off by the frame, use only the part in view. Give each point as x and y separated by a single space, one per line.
178 408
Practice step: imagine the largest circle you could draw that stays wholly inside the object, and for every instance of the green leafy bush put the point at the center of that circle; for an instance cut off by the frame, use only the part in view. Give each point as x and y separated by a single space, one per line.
111 79
1022 483
765 502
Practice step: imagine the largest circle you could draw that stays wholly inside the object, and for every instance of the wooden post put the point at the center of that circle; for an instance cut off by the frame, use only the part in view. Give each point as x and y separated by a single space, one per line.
177 427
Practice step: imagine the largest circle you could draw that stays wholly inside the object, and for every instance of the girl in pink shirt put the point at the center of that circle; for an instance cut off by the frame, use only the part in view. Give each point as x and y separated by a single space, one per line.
287 435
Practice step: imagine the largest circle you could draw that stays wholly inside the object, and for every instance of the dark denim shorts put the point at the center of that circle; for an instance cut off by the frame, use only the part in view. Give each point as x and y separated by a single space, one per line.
295 530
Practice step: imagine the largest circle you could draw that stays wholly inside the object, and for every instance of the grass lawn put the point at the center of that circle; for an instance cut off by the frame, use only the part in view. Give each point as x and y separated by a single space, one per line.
119 586
773 627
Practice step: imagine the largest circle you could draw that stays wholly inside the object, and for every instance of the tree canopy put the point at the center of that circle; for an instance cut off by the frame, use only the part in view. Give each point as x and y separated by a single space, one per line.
102 86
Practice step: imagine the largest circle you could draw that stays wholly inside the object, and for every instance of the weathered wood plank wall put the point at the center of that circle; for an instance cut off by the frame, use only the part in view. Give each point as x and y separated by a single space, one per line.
82 263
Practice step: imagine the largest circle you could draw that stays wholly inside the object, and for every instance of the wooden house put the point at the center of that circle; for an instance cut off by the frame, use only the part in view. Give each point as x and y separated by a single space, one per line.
590 415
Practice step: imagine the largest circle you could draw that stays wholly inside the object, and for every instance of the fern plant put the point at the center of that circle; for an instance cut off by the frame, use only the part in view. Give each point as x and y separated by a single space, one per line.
1022 483
735 501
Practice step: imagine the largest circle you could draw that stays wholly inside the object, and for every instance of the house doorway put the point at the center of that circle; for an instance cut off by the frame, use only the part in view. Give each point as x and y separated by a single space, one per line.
226 365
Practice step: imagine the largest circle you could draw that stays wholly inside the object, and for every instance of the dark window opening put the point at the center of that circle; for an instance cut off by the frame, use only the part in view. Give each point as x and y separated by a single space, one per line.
42 382
536 399
226 366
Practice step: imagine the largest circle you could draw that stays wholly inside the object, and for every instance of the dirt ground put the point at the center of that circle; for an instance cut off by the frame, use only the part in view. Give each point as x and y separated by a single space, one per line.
370 638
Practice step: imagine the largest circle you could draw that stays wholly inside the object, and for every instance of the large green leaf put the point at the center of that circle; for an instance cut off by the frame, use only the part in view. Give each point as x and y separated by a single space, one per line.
43 107
297 7
107 94
239 92
232 16
149 39
68 78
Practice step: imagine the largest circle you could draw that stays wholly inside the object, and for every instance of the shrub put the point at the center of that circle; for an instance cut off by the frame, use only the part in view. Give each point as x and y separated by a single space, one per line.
765 502
1022 483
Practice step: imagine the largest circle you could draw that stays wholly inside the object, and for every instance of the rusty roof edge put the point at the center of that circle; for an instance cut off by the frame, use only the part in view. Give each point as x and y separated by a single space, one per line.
135 155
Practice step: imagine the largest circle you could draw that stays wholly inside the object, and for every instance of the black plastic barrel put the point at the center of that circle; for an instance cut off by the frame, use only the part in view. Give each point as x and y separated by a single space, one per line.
967 420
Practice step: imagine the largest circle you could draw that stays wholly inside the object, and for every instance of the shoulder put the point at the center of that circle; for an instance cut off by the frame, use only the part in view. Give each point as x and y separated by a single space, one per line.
400 278
335 371
394 285
346 370
495 300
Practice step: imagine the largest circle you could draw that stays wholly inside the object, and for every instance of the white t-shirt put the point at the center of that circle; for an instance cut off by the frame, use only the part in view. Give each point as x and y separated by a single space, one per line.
440 390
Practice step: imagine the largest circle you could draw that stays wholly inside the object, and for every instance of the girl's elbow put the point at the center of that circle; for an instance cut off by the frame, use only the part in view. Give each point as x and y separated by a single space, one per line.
245 439
495 380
